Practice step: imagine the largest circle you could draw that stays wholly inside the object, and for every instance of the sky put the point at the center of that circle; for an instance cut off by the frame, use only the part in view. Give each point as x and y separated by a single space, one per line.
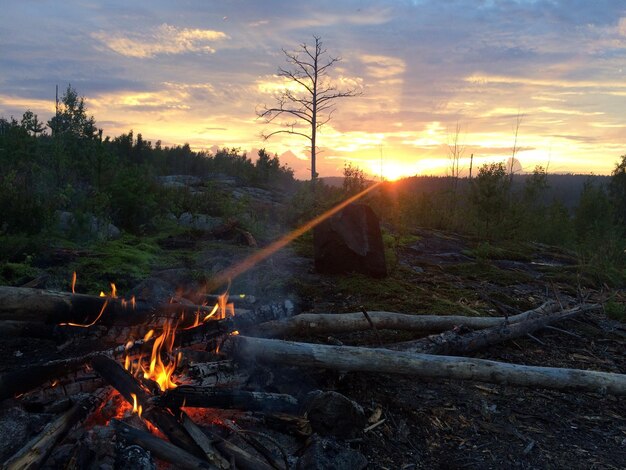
545 77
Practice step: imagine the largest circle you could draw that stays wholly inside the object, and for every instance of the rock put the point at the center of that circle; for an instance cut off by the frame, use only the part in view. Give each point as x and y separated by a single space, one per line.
350 241
333 414
69 224
200 221
326 454
179 181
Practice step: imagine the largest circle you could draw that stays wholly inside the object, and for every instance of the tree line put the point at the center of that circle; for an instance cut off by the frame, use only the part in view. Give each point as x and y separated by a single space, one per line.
67 165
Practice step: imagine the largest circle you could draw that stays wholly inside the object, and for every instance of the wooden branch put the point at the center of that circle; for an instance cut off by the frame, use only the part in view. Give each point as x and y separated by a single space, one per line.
347 358
203 441
36 451
455 343
324 323
160 448
127 385
209 397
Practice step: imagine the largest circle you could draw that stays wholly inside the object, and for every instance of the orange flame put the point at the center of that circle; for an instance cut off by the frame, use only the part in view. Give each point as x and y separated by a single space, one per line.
158 371
74 282
136 408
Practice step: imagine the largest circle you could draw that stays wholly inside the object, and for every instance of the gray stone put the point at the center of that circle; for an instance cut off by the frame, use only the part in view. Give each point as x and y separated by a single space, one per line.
94 226
199 221
179 181
333 414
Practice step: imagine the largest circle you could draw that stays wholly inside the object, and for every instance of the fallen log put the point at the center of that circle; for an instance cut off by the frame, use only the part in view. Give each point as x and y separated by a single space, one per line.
209 397
53 307
160 448
126 384
325 323
454 342
36 451
350 358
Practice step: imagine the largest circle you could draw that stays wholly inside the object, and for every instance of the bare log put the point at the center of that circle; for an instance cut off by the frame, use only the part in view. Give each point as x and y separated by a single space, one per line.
349 358
161 448
126 384
36 451
324 323
209 397
454 342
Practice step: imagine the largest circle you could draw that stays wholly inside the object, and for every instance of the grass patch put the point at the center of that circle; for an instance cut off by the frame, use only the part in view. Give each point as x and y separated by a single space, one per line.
124 262
503 251
615 310
17 274
484 271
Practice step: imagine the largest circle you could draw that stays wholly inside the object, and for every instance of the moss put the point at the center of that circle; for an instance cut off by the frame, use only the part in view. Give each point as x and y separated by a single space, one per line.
123 262
16 274
615 310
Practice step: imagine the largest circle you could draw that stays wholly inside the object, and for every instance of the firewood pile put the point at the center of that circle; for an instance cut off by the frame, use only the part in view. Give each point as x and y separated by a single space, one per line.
211 382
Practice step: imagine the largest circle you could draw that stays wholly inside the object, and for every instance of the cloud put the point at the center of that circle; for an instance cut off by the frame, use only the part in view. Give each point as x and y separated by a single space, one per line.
165 39
383 67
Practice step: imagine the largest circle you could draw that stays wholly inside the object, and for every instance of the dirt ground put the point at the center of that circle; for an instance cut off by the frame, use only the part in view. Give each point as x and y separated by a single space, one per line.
453 424
461 424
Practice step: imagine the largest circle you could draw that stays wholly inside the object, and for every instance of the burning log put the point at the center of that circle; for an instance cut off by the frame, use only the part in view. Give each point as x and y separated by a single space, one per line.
28 377
35 452
161 448
324 323
454 342
126 384
52 307
350 358
24 304
207 397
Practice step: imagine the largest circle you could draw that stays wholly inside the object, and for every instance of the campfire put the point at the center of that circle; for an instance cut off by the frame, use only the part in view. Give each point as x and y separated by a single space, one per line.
178 383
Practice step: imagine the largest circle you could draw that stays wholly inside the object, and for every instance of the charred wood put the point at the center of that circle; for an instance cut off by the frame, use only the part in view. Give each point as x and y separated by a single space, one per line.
350 358
126 384
207 397
203 441
35 452
28 377
160 448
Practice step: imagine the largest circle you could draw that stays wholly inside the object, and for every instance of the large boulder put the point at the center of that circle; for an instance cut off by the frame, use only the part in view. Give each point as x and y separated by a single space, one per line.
350 241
